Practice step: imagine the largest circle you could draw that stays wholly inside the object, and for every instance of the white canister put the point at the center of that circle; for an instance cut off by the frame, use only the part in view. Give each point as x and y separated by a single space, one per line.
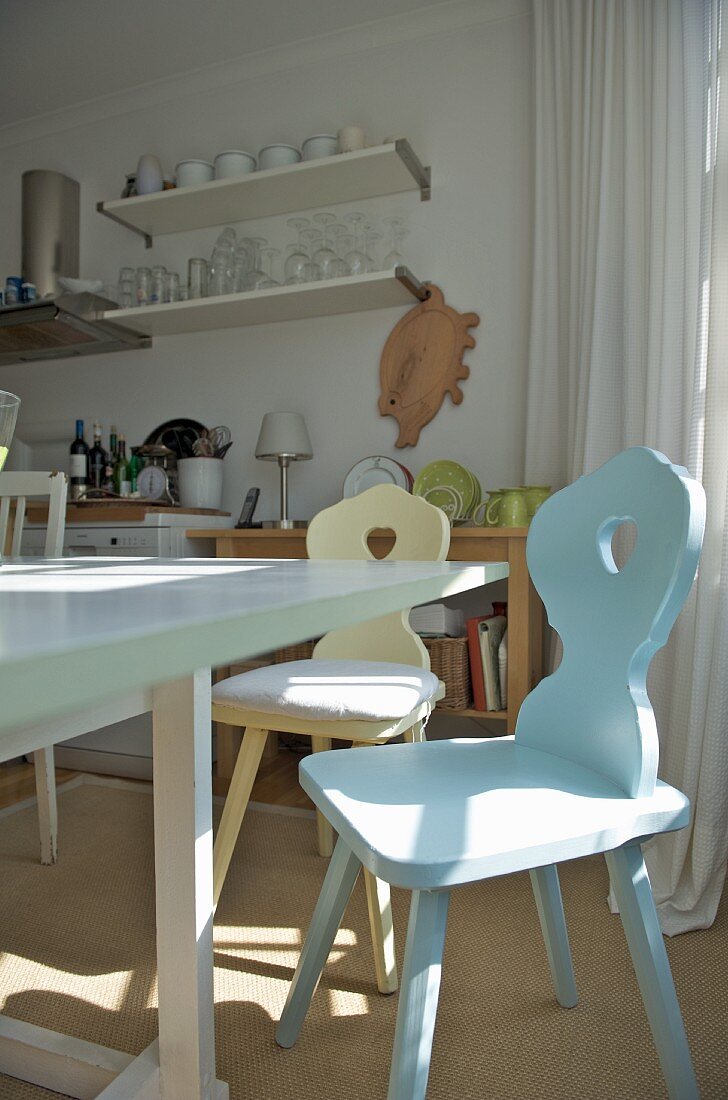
200 482
320 145
232 163
351 138
191 173
149 175
275 156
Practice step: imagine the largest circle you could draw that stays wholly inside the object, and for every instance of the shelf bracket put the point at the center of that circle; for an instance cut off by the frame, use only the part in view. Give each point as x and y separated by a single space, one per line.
120 221
418 170
414 286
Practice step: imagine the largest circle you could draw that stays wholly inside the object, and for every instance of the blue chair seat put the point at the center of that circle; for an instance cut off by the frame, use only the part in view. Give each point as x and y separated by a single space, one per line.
443 813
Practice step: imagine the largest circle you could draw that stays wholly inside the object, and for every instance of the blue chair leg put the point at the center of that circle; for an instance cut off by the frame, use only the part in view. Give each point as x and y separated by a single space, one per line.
642 928
546 890
419 991
333 899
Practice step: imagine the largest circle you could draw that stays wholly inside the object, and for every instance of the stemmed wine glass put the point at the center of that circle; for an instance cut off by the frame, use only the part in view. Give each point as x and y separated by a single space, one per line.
270 254
370 240
311 238
256 278
355 258
298 257
342 242
397 231
325 256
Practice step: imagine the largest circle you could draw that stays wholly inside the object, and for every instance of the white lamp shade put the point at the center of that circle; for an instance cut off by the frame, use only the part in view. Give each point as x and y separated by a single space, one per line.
283 434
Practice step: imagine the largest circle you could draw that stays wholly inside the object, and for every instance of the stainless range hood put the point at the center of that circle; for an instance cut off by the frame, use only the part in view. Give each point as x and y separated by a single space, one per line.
59 324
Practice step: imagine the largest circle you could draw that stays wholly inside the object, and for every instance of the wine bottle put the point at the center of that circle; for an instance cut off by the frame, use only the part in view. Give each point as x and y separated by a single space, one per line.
97 460
121 470
108 482
133 466
79 464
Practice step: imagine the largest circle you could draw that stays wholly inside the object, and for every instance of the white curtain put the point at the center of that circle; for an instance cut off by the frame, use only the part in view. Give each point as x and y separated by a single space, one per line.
629 339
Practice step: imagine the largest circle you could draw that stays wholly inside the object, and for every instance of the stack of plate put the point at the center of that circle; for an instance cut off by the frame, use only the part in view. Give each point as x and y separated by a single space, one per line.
449 486
376 470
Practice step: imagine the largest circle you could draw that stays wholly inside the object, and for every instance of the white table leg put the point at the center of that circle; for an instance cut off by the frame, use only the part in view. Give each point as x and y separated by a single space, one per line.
183 860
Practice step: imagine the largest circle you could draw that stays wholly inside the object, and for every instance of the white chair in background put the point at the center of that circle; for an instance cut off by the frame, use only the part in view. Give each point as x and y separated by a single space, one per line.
18 487
365 684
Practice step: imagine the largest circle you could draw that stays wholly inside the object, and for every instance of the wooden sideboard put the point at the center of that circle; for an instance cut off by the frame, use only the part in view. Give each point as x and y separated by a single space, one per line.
525 610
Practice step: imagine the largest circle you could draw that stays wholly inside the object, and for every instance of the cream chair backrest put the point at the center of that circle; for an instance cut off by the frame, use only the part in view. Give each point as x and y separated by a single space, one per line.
19 486
422 533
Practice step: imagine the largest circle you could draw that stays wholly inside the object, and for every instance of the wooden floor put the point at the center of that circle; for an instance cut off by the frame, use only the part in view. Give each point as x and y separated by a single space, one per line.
276 784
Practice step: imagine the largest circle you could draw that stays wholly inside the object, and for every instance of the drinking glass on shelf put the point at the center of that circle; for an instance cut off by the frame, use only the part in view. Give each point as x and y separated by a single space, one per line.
325 256
9 405
172 294
197 276
127 274
356 257
143 285
242 264
126 294
158 289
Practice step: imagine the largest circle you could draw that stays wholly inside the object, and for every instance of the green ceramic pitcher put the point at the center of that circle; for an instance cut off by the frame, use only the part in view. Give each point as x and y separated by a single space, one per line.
507 508
535 496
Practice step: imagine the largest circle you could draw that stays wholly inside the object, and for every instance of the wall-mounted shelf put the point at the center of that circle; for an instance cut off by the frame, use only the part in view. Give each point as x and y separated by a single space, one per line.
378 290
346 177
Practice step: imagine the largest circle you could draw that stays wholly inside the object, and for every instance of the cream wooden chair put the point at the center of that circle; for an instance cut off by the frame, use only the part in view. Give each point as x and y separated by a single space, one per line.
365 684
18 487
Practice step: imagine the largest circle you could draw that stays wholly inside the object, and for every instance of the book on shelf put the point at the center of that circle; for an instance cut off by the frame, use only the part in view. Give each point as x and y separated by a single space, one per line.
490 635
437 618
475 659
503 670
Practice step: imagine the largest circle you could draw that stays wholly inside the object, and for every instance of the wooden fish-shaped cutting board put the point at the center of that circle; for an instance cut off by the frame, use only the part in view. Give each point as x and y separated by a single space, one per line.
422 361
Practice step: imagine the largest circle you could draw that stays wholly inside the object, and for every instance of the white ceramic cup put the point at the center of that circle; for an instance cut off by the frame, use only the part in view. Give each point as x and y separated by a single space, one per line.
275 156
351 138
149 175
232 163
200 482
320 145
191 173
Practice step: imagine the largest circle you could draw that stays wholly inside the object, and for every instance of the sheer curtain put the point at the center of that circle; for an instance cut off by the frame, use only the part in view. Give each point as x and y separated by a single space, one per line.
629 339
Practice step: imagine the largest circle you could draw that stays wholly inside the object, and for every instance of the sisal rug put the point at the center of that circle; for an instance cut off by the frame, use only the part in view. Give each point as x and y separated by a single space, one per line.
78 956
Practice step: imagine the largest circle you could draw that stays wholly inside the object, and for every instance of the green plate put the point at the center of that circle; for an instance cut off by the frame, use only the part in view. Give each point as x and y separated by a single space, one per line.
447 474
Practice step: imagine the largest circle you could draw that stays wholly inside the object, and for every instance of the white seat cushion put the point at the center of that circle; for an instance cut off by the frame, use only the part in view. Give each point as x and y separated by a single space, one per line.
366 691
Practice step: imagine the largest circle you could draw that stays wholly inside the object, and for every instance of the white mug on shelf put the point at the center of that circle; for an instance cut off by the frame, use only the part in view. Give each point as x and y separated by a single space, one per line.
351 138
200 482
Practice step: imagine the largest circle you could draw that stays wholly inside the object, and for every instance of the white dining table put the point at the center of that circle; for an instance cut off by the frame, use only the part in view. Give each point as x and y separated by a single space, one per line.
84 642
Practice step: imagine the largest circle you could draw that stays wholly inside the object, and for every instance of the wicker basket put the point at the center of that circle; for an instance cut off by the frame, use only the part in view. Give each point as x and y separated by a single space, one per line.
448 660
300 652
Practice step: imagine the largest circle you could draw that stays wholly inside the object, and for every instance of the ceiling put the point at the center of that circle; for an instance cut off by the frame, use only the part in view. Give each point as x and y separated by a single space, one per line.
58 53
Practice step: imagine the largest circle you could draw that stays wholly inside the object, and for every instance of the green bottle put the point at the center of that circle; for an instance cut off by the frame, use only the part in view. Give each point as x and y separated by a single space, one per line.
122 485
133 466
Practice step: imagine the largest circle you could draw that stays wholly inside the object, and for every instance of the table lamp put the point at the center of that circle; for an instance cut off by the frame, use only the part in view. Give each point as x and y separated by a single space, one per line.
284 439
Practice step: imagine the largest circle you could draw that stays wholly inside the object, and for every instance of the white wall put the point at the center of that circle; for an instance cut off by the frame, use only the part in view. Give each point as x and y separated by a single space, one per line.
456 83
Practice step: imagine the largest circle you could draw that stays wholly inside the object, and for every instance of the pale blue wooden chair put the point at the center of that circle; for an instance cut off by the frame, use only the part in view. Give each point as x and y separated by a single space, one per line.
578 777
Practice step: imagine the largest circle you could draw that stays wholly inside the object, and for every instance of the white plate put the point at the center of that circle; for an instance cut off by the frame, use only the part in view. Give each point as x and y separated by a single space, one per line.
374 470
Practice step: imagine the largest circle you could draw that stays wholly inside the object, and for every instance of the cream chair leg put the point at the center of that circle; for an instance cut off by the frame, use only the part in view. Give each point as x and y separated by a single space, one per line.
323 827
415 733
379 904
45 786
246 768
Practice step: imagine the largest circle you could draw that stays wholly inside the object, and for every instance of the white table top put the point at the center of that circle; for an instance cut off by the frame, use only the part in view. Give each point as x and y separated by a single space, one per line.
76 630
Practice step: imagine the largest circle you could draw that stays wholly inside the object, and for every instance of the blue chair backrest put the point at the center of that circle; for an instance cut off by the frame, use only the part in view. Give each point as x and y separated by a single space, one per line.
594 709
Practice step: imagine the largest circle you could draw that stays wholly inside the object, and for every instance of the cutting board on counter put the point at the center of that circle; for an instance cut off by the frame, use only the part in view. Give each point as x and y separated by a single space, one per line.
110 511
